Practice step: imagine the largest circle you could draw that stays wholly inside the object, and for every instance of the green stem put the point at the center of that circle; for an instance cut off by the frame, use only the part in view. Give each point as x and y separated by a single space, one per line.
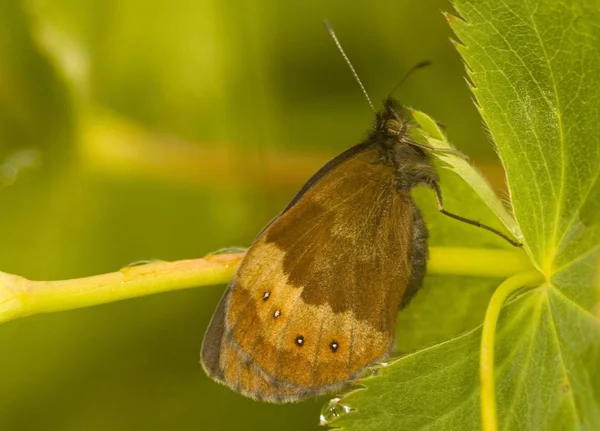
477 262
486 360
20 297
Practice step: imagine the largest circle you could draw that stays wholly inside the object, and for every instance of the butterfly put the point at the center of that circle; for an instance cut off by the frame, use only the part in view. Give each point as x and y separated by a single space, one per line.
314 301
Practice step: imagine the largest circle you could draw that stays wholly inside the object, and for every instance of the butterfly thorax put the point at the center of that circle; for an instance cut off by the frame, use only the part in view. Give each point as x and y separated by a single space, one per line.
413 166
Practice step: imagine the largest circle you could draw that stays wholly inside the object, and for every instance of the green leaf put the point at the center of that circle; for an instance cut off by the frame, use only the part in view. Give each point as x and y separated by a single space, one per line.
535 72
436 388
535 67
406 394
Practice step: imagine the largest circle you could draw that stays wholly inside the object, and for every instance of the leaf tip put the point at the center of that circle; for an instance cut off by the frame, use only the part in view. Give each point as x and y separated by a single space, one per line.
453 18
457 44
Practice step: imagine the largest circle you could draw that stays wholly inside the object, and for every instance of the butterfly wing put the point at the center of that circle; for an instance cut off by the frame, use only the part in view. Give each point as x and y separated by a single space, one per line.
314 301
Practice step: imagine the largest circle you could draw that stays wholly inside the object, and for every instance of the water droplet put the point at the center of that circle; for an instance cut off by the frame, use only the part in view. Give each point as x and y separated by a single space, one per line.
332 411
228 250
374 370
129 271
139 263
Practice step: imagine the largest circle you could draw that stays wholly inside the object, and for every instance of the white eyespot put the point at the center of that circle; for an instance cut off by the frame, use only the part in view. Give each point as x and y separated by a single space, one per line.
277 314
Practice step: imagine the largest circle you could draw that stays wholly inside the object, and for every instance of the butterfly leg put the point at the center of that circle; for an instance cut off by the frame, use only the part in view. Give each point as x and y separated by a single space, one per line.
435 186
433 149
412 126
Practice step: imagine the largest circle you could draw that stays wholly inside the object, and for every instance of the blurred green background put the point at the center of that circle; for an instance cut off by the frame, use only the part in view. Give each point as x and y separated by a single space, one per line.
148 129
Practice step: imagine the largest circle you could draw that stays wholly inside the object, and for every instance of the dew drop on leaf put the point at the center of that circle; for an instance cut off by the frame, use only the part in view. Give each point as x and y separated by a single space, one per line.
333 410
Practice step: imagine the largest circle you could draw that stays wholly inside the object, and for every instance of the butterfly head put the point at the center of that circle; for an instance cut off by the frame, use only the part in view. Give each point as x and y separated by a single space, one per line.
392 119
391 125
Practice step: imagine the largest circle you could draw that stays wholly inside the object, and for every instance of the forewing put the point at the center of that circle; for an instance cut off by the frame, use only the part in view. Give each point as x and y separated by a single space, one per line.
315 299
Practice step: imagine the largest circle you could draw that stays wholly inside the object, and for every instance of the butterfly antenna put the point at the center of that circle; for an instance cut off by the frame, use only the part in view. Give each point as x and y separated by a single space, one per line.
410 72
339 46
